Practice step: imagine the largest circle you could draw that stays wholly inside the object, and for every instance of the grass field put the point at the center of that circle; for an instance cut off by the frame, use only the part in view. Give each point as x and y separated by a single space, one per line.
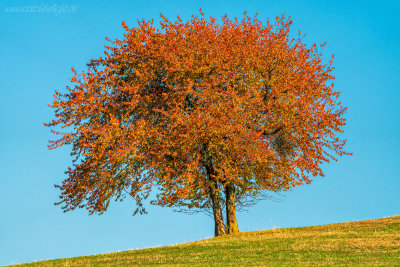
361 243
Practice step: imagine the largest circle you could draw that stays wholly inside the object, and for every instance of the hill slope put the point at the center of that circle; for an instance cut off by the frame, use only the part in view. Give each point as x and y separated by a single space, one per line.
372 242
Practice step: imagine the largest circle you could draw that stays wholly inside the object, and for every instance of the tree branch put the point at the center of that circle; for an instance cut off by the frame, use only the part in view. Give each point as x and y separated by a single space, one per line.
273 132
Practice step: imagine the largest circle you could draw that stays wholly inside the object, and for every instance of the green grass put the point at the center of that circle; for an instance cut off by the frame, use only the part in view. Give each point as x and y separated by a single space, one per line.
361 243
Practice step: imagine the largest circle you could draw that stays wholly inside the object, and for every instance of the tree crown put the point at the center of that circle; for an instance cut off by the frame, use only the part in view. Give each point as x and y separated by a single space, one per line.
165 104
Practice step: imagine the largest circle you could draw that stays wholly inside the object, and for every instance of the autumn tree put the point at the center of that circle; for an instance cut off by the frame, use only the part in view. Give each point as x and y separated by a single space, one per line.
210 115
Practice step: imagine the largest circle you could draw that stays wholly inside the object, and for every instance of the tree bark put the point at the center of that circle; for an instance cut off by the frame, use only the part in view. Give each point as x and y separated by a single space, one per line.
206 160
216 203
231 222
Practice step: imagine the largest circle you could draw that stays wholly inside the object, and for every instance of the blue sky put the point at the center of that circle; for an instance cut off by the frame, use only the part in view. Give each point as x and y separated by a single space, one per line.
38 48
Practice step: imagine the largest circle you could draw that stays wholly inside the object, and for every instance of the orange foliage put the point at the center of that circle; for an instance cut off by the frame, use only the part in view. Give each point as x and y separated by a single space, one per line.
257 104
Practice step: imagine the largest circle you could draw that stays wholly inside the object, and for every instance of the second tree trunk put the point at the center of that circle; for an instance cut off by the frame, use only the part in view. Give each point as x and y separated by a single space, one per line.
231 222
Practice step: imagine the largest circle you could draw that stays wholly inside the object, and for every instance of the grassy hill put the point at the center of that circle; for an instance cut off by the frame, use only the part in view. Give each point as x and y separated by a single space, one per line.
372 242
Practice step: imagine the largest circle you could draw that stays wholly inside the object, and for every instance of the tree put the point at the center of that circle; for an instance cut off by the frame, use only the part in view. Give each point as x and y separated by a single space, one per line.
210 115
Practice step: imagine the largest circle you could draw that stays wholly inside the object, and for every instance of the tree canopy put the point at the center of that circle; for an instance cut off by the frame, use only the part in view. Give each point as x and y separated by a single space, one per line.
197 109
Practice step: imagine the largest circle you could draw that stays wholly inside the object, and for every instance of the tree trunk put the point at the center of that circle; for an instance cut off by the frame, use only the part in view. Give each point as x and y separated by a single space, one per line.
216 203
213 191
218 218
231 222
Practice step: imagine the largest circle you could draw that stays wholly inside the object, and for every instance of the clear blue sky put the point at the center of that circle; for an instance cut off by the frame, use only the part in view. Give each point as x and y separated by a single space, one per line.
37 49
